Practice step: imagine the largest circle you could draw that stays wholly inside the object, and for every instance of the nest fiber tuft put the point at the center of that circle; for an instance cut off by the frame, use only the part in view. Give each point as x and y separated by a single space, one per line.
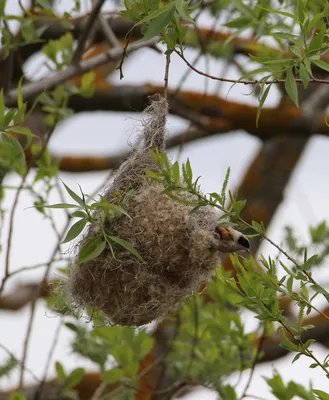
175 244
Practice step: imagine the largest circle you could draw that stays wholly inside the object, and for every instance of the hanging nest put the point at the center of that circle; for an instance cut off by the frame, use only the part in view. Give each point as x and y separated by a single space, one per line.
178 247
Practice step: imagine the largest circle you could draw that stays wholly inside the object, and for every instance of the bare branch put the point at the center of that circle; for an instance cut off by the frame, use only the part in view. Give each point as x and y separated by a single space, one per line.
108 31
86 31
33 89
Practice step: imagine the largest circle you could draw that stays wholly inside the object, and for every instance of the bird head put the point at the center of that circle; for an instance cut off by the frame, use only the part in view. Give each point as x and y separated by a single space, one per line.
229 240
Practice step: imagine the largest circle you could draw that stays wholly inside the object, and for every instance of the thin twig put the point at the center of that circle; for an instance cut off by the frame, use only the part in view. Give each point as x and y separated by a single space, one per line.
252 371
26 344
99 391
33 267
86 31
244 81
124 55
10 233
108 31
48 361
166 77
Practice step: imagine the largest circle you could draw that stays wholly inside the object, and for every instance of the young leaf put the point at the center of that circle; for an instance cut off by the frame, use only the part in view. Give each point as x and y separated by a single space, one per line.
125 245
321 394
262 99
113 375
189 173
92 249
13 153
79 214
74 196
258 227
74 378
304 76
60 371
320 289
317 42
17 396
183 10
2 7
321 64
109 207
61 205
225 184
75 230
291 87
175 171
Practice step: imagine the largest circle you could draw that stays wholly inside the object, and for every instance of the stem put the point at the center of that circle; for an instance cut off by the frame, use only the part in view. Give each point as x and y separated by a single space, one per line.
166 77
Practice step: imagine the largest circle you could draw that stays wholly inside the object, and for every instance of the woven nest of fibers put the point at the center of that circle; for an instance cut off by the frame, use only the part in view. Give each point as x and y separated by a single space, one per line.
175 244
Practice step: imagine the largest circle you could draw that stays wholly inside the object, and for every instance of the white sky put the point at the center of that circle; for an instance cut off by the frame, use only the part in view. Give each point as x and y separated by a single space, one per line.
305 202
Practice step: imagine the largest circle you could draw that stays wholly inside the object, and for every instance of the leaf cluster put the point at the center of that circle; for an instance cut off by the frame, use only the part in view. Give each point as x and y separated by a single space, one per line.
97 213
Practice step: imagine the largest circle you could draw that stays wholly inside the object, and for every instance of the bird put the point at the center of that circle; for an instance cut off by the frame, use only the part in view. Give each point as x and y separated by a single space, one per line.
230 240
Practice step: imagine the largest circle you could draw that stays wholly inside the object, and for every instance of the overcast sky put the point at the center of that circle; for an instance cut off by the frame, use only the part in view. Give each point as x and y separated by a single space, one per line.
305 202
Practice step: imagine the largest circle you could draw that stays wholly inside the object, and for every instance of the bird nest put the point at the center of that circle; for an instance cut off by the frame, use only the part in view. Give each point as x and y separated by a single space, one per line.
178 248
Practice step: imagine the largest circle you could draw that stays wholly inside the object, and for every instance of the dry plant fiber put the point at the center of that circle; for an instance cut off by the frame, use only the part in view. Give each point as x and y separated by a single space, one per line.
177 246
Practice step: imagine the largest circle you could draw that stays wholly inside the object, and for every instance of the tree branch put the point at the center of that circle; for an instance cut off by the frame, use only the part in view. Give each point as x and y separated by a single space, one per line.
86 31
33 89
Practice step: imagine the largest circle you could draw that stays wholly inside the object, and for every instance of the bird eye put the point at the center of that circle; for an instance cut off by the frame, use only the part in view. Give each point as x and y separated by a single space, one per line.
244 242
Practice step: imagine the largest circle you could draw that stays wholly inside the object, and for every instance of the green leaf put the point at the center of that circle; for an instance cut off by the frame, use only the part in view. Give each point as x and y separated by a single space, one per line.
175 171
183 10
158 24
125 245
283 13
79 214
289 345
7 366
92 249
74 377
310 262
75 230
258 227
291 87
20 104
296 358
237 23
225 184
109 207
17 396
23 130
319 289
304 76
2 7
9 116
238 206
157 13
262 99
74 196
152 174
321 394
113 375
12 153
321 64
61 205
61 375
189 172
317 42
